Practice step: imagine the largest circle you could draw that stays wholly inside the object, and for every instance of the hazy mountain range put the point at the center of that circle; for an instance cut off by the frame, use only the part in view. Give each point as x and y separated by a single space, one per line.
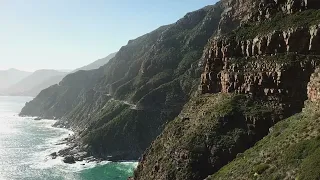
14 82
27 85
11 76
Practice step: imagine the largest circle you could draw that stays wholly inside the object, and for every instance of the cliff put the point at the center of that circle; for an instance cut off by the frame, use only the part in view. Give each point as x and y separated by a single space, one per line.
128 101
289 151
253 77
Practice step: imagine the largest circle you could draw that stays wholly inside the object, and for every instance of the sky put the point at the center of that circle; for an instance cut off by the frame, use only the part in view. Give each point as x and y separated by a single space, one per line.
67 34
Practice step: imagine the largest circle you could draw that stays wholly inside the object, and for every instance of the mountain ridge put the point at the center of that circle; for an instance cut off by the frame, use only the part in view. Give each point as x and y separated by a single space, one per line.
11 76
48 77
96 64
23 86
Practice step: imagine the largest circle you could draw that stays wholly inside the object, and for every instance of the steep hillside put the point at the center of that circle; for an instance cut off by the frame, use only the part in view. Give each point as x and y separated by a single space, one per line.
10 77
253 77
127 102
96 64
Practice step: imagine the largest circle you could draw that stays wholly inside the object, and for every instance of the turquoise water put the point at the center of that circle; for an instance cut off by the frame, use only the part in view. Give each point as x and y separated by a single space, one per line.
25 145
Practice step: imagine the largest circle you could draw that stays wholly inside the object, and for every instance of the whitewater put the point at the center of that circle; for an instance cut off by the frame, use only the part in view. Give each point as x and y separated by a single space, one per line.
25 146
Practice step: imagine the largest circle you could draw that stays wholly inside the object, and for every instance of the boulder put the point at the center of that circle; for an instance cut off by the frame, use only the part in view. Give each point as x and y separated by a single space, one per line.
54 155
69 160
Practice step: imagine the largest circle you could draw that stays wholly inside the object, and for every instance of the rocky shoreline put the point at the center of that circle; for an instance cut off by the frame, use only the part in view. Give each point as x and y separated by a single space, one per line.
72 153
77 152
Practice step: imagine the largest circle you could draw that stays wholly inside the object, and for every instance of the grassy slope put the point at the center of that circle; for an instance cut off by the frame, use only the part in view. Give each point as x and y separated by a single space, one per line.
211 129
291 150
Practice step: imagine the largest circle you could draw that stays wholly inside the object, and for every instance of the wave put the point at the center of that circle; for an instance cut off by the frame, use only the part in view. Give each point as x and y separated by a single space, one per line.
43 160
26 145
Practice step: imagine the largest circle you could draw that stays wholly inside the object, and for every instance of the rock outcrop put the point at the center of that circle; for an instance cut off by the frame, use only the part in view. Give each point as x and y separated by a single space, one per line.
314 86
69 160
289 151
268 8
224 60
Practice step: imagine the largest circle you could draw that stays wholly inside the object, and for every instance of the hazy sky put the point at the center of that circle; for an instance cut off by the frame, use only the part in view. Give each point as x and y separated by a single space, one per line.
66 34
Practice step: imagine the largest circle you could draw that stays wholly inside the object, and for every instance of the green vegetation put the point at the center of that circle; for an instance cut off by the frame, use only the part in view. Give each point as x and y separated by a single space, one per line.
129 131
310 165
172 69
259 169
279 22
285 60
291 151
211 130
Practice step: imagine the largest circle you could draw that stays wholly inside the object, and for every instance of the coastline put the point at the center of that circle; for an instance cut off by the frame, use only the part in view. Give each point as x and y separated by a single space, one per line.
65 144
69 144
69 150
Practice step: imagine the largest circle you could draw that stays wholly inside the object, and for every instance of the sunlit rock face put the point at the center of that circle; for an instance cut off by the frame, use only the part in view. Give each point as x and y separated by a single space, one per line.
314 86
221 74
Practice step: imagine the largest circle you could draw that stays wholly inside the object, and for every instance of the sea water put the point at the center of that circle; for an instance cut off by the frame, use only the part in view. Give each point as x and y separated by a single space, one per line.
25 145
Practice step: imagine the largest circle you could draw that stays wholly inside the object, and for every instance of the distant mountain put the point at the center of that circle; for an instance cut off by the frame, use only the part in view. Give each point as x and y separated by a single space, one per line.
34 83
34 91
10 77
97 63
65 70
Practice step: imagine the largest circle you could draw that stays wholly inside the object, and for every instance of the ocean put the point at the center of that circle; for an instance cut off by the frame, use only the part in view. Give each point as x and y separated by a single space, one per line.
25 145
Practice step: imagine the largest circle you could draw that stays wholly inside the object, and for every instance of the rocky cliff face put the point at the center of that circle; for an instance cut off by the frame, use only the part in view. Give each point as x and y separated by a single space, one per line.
262 66
238 63
268 60
313 87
